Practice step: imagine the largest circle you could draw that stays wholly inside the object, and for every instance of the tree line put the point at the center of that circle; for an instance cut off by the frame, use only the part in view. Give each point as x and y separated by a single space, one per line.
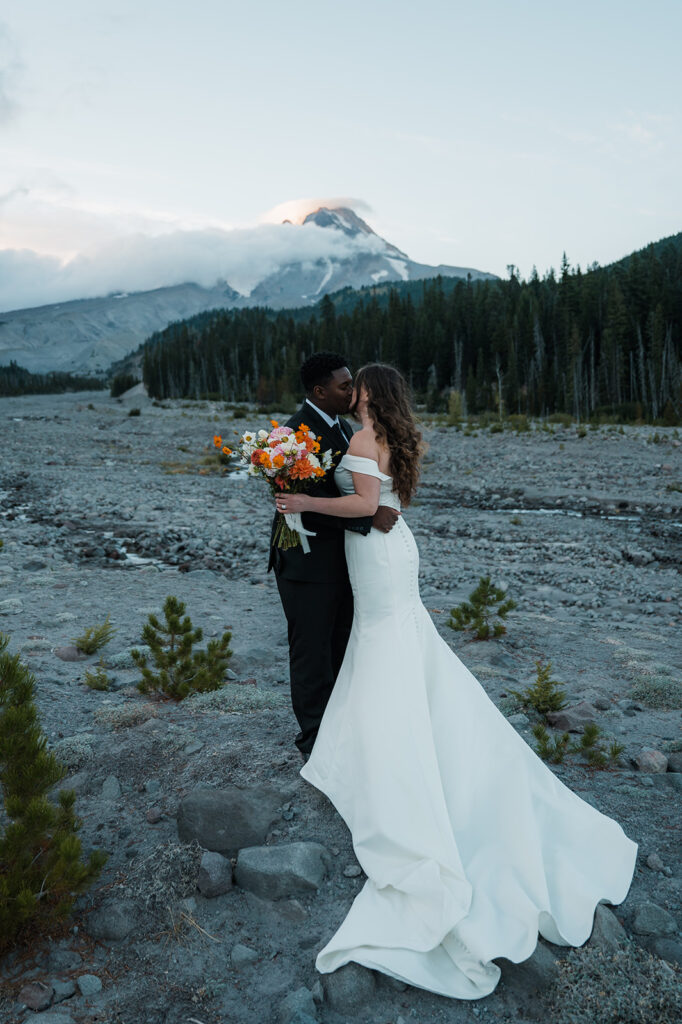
15 380
605 342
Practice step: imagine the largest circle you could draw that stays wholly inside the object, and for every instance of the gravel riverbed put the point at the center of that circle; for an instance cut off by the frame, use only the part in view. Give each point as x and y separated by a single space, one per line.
104 513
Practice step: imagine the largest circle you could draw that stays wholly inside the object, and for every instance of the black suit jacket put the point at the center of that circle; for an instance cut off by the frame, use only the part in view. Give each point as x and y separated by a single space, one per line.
326 560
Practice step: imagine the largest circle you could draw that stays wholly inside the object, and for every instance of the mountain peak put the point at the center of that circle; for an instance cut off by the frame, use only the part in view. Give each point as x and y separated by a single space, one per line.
343 218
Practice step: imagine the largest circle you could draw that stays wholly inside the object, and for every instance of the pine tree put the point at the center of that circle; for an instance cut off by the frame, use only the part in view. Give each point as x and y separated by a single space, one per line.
544 694
486 604
180 669
41 870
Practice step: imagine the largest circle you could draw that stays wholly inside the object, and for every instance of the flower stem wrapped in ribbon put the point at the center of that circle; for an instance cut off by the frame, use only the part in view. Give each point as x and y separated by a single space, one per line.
286 458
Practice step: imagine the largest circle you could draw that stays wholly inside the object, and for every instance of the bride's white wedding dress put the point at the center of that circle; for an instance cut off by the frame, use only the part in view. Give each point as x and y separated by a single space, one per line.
470 843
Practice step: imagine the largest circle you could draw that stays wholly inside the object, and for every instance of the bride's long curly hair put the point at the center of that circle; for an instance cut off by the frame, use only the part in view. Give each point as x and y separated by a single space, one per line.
389 407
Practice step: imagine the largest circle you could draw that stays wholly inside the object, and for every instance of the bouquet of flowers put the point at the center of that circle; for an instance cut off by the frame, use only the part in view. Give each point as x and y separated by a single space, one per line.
285 457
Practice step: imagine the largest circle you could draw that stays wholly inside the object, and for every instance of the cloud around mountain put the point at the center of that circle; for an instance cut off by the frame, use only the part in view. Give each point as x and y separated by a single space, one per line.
141 261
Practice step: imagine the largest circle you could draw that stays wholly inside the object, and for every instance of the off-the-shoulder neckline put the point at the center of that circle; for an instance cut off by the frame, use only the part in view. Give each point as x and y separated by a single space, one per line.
363 458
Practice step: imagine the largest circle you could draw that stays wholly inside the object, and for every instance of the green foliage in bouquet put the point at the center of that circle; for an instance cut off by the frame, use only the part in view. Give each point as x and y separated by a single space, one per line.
180 670
41 869
486 604
94 637
544 695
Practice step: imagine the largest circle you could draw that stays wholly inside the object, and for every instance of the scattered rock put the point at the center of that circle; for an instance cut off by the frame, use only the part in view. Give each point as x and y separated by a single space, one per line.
649 760
63 959
667 947
242 955
573 719
608 932
215 875
601 703
654 862
111 788
650 919
348 988
36 995
675 761
70 653
111 922
56 1017
352 871
531 977
225 820
299 1002
154 815
276 871
89 984
62 990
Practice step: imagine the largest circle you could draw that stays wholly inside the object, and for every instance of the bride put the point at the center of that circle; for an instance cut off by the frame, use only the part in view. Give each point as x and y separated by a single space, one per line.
471 845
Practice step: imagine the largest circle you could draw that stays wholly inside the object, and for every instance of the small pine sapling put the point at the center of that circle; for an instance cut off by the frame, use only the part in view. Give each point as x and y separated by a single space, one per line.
486 604
544 695
94 637
180 670
97 680
553 748
41 869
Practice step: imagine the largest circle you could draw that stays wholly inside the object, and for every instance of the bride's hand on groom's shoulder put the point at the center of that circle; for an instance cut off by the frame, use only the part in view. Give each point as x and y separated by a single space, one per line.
294 503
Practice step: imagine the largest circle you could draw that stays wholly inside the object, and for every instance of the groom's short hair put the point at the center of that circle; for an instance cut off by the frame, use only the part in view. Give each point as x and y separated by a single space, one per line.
319 369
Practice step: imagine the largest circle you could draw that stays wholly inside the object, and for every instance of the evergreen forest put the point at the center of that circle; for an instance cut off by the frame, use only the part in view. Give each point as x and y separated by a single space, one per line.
604 342
15 380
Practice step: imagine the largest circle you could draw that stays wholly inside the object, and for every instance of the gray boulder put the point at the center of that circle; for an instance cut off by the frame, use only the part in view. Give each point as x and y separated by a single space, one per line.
650 760
272 872
607 933
225 820
241 955
526 980
675 761
215 874
650 919
349 988
573 719
89 984
296 1003
112 922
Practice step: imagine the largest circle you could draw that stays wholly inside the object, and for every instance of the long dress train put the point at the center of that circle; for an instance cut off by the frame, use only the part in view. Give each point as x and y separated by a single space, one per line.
471 845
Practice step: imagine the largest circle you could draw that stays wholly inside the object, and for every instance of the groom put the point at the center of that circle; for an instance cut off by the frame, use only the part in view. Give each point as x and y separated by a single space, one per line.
314 588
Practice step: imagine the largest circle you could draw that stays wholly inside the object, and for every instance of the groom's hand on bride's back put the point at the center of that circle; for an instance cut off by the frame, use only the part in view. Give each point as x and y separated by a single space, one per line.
385 518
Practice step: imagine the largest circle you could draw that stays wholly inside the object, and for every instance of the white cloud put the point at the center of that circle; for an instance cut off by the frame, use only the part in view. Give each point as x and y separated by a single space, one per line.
242 257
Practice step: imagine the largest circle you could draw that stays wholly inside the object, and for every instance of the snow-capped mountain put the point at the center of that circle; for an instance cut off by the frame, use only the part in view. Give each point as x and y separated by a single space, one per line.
87 335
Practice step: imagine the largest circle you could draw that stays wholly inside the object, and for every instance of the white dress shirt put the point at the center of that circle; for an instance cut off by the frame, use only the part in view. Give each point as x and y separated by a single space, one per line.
327 419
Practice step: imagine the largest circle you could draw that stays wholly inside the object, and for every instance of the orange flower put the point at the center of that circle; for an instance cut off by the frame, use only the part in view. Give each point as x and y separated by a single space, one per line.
274 423
318 472
301 470
278 461
226 450
217 440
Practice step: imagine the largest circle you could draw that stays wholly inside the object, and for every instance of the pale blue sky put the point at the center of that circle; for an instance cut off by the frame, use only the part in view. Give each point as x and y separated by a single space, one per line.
479 134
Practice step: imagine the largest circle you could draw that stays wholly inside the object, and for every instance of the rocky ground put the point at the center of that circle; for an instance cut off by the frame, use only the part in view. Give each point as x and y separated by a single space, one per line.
104 513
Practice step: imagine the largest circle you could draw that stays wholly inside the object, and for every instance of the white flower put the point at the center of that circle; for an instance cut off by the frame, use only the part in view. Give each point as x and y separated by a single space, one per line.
314 461
249 438
252 470
327 459
262 435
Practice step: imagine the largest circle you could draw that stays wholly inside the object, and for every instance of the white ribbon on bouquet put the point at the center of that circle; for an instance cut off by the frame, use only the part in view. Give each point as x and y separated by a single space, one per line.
295 522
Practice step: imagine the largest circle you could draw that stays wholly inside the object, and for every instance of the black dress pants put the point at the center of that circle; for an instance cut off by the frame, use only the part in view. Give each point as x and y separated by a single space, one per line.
319 618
